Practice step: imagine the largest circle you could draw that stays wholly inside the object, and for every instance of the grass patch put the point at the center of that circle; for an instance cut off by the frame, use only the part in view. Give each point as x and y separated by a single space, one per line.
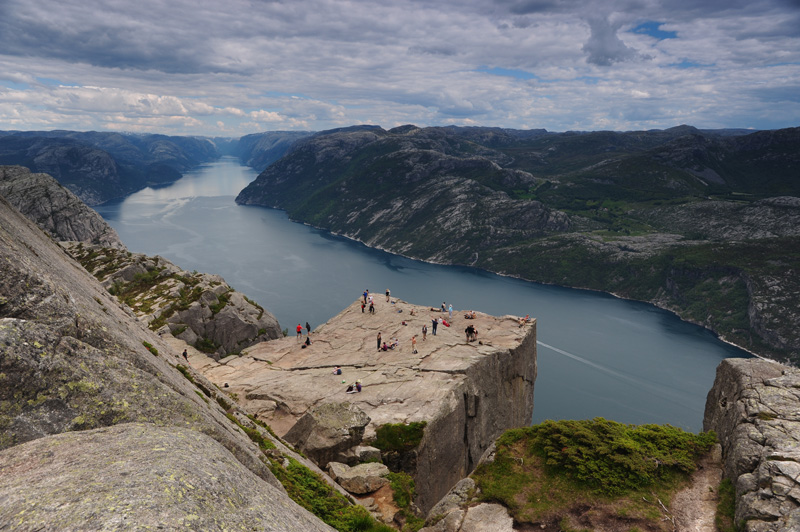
404 491
399 437
544 472
726 507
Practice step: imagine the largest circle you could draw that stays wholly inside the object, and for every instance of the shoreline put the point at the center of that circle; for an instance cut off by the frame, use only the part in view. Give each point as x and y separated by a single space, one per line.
716 334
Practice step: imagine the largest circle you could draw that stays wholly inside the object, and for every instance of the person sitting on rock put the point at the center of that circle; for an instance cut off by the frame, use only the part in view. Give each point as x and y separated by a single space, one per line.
385 347
351 388
337 370
358 386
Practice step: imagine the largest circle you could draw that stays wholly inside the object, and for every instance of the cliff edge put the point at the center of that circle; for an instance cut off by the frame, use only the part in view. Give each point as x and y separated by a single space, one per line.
468 393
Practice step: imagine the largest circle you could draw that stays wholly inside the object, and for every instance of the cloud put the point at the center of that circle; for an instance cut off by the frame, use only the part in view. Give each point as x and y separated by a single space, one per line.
208 67
604 47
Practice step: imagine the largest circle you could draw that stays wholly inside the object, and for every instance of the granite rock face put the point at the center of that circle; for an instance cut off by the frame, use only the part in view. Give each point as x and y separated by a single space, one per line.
468 392
73 359
55 209
138 476
754 407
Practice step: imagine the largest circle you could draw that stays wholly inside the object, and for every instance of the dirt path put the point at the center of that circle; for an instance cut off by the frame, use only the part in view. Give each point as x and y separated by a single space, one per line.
694 507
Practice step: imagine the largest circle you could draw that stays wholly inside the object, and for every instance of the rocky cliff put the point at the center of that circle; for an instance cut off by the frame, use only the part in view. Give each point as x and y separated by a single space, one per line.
198 308
467 392
754 407
86 387
689 220
54 208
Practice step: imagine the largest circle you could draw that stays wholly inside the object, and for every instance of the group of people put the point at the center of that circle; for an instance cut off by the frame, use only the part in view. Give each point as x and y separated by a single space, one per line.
471 332
300 335
351 388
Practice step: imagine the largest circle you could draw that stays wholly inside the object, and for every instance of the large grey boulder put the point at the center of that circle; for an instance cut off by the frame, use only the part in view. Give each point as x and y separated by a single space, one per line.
139 476
59 212
754 407
360 479
327 431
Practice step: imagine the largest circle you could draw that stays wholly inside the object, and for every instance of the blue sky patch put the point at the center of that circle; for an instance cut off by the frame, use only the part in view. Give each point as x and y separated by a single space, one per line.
507 72
687 64
653 29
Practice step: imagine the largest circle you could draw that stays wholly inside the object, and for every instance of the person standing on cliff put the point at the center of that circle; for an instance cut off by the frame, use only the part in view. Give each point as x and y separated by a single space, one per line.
185 355
366 293
379 341
434 323
424 332
414 344
450 311
308 328
387 295
299 332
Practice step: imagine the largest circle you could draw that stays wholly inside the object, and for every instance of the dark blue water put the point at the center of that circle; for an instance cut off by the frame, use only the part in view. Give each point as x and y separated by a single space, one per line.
598 355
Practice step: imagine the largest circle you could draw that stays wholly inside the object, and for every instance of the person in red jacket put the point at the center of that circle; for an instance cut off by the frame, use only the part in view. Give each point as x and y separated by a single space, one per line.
299 332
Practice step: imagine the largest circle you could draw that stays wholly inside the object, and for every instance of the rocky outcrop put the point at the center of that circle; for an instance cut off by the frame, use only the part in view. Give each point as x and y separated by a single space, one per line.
754 407
138 476
72 359
467 392
326 432
54 208
201 309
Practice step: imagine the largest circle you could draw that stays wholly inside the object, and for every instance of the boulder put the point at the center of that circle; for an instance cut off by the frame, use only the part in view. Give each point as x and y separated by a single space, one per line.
328 430
484 517
360 479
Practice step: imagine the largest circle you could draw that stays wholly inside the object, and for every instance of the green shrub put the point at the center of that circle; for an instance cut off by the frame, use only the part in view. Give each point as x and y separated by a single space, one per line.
150 348
399 437
613 458
205 345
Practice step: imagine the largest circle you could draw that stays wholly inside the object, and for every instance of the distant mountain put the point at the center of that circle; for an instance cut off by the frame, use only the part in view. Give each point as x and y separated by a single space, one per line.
260 150
99 166
703 223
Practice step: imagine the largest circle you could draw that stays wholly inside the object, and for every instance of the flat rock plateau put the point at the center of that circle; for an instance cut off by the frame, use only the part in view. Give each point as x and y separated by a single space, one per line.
467 392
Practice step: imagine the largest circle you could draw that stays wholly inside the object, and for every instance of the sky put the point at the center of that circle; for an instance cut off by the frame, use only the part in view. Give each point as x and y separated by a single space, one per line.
233 67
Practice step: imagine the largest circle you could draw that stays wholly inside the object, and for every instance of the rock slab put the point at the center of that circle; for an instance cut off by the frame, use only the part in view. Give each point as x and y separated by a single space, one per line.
138 476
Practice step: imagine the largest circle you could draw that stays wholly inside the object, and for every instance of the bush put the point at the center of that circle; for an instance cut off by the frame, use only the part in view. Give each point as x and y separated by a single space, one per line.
613 458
